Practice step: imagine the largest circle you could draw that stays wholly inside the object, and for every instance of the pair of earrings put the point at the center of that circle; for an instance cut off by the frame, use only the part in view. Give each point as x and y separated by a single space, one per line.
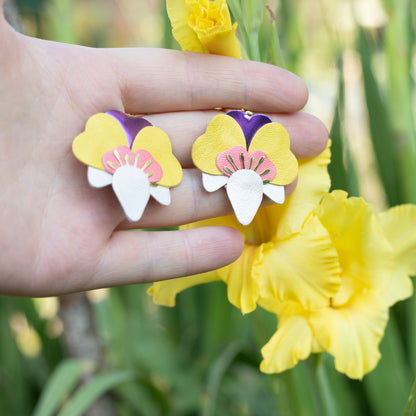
248 154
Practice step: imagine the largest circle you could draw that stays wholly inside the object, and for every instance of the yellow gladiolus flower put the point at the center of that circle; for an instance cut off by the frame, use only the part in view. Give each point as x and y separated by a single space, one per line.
277 229
203 26
375 255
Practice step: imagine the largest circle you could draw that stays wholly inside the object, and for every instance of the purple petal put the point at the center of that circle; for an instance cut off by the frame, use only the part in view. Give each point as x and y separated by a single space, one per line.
131 125
249 123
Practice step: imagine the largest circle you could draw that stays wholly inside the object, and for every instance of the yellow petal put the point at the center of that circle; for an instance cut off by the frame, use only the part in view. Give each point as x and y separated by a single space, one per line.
273 139
352 333
313 183
291 342
157 142
263 227
281 309
302 268
365 255
399 226
164 292
227 221
242 286
211 21
222 133
399 288
178 12
102 134
221 41
203 26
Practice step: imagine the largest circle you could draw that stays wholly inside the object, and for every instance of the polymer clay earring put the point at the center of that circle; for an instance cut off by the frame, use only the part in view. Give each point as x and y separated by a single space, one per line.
130 154
249 155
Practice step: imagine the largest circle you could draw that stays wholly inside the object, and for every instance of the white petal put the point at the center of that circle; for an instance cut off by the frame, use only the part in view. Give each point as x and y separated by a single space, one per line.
213 182
132 187
245 191
160 193
99 178
275 192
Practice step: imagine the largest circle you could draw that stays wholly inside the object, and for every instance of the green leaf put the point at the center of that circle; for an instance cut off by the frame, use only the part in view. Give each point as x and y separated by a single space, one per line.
215 375
400 87
15 374
388 386
59 386
87 394
275 50
410 409
380 127
342 168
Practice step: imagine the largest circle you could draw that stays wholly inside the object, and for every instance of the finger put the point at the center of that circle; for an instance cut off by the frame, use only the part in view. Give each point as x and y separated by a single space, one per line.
190 203
308 135
140 256
158 80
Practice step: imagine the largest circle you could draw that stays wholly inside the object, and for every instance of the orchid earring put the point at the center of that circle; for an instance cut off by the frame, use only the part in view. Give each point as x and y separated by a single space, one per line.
131 155
249 155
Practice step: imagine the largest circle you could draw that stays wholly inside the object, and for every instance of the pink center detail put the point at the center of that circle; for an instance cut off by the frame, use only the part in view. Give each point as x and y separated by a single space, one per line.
141 159
237 158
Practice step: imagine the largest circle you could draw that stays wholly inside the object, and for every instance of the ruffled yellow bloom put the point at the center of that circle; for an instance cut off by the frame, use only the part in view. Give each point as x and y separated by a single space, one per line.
277 237
376 254
203 26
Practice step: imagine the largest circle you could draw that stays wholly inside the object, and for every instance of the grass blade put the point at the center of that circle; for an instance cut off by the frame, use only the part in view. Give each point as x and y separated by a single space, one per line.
87 394
410 409
341 169
60 385
216 373
398 45
380 128
387 386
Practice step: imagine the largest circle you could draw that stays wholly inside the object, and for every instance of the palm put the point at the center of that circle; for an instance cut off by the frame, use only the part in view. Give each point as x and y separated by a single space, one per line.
59 234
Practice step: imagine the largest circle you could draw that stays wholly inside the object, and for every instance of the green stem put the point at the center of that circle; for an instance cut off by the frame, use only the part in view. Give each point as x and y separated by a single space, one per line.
398 45
410 409
328 402
411 331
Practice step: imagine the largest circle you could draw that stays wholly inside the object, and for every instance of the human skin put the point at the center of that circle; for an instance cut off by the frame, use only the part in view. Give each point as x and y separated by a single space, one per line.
59 235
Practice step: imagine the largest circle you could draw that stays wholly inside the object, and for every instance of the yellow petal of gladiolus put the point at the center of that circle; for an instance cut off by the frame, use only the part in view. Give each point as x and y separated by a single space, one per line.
203 26
291 343
102 134
303 268
222 133
352 333
313 183
164 293
157 142
365 255
242 286
399 227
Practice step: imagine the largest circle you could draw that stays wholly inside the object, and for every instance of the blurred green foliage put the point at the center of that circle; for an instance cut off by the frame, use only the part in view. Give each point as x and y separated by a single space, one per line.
202 357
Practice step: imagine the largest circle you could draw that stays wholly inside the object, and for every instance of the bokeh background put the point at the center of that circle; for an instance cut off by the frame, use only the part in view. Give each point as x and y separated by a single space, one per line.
112 352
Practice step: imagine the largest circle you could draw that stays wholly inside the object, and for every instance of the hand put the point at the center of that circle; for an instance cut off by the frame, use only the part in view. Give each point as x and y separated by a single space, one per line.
58 234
